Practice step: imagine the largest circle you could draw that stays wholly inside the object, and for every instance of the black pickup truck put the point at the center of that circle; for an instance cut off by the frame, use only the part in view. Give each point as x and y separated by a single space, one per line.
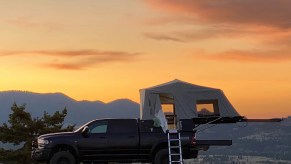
115 140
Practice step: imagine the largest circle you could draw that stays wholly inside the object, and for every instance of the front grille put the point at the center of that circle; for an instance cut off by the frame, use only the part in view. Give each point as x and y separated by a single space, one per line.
34 144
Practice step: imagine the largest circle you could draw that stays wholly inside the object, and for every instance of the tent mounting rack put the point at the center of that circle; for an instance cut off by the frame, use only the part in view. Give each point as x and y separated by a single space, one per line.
223 120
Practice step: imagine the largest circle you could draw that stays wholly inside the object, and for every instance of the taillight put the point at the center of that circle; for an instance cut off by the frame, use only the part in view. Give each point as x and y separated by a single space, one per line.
193 140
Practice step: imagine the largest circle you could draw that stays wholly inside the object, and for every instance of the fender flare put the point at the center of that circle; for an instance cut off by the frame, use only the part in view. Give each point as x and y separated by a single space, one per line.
70 144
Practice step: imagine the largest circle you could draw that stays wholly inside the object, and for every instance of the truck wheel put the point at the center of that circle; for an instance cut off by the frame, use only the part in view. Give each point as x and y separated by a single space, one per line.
63 157
162 157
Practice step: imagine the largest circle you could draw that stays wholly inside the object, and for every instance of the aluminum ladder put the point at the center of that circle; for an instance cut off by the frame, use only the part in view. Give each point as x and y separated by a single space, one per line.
174 146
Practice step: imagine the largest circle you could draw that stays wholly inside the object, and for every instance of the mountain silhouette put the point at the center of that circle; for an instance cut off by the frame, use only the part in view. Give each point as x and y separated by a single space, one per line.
79 112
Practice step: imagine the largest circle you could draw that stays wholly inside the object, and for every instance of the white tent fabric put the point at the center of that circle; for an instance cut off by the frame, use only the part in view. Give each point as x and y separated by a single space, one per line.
184 96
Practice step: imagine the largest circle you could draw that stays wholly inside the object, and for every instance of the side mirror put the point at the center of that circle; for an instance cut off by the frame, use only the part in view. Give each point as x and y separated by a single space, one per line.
85 131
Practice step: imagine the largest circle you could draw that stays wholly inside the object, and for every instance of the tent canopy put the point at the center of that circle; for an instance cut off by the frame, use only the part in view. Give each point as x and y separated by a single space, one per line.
185 98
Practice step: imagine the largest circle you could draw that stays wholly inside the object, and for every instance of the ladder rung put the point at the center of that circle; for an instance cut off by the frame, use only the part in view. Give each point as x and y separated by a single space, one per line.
174 139
176 161
173 131
175 146
175 154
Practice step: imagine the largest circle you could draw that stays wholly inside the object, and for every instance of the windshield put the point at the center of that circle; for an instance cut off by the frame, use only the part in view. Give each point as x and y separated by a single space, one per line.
83 126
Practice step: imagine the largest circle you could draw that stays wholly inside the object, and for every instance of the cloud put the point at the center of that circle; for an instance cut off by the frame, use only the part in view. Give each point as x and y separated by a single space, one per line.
75 59
258 56
29 23
272 13
282 40
64 66
264 25
205 33
71 53
159 36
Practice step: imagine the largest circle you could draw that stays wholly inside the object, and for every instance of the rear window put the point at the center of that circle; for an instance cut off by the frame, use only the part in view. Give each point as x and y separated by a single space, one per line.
122 126
148 126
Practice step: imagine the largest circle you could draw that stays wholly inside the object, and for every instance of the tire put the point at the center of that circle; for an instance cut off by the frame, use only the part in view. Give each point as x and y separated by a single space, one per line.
162 157
63 157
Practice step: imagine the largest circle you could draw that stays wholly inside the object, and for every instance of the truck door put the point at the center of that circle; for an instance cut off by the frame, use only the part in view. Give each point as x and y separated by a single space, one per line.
123 139
94 145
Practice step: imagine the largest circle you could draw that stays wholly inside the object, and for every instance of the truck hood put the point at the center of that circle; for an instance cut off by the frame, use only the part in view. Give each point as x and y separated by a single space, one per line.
49 135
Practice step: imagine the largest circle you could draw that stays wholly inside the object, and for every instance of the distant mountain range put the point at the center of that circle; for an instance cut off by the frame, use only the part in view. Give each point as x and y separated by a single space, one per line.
79 112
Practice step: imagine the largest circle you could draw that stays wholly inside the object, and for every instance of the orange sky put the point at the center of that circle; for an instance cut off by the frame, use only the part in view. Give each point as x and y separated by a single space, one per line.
106 50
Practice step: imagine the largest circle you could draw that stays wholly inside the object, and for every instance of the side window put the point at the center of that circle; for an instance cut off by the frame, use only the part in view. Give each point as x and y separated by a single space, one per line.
98 127
207 108
121 126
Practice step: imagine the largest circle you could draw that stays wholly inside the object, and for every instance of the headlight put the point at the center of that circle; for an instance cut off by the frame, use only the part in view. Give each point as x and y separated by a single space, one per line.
42 142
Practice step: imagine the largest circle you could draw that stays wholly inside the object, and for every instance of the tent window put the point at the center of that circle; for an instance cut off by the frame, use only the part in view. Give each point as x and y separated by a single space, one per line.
207 108
168 109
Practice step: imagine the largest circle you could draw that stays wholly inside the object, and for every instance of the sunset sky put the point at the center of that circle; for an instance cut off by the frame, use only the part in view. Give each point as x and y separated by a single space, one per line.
107 50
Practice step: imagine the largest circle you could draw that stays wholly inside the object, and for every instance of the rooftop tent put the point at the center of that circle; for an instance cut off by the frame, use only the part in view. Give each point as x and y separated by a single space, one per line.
186 99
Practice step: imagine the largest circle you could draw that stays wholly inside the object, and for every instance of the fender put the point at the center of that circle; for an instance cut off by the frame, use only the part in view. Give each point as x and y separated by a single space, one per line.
68 143
159 145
